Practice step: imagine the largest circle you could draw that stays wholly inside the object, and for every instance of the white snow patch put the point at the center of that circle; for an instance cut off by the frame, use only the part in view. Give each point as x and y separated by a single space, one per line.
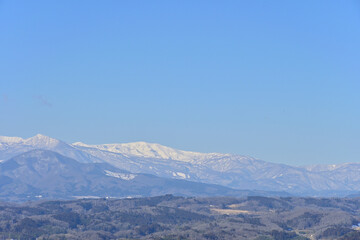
180 174
80 144
86 197
276 176
123 176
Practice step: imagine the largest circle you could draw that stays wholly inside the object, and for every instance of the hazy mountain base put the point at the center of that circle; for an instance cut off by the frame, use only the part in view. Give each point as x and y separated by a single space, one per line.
169 217
46 174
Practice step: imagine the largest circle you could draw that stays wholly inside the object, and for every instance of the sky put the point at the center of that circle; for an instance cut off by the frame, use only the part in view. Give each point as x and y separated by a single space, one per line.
276 80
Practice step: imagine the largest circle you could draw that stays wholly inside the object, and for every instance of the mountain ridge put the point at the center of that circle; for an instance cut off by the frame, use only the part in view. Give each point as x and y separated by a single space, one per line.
230 170
47 174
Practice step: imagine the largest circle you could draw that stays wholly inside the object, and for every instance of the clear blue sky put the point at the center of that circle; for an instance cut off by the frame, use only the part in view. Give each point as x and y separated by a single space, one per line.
277 80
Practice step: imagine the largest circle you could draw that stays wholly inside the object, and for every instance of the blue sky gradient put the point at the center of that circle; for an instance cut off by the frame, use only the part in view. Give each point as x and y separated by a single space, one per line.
277 80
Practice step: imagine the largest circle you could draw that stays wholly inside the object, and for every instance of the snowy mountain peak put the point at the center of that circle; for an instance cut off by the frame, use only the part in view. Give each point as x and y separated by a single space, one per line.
152 150
80 144
42 141
39 135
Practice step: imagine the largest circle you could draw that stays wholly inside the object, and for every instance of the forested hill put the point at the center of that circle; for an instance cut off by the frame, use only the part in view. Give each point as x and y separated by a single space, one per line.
170 217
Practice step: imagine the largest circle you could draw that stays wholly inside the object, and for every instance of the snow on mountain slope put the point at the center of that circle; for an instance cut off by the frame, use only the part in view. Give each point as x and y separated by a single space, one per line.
161 154
52 175
346 173
322 167
153 150
235 171
43 141
13 146
138 164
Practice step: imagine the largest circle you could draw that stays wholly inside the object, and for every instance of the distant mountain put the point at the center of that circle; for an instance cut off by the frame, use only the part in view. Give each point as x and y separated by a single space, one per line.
46 174
153 150
234 171
13 146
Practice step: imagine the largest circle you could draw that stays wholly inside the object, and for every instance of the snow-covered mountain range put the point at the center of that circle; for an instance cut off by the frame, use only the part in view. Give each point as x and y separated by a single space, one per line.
39 174
229 170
